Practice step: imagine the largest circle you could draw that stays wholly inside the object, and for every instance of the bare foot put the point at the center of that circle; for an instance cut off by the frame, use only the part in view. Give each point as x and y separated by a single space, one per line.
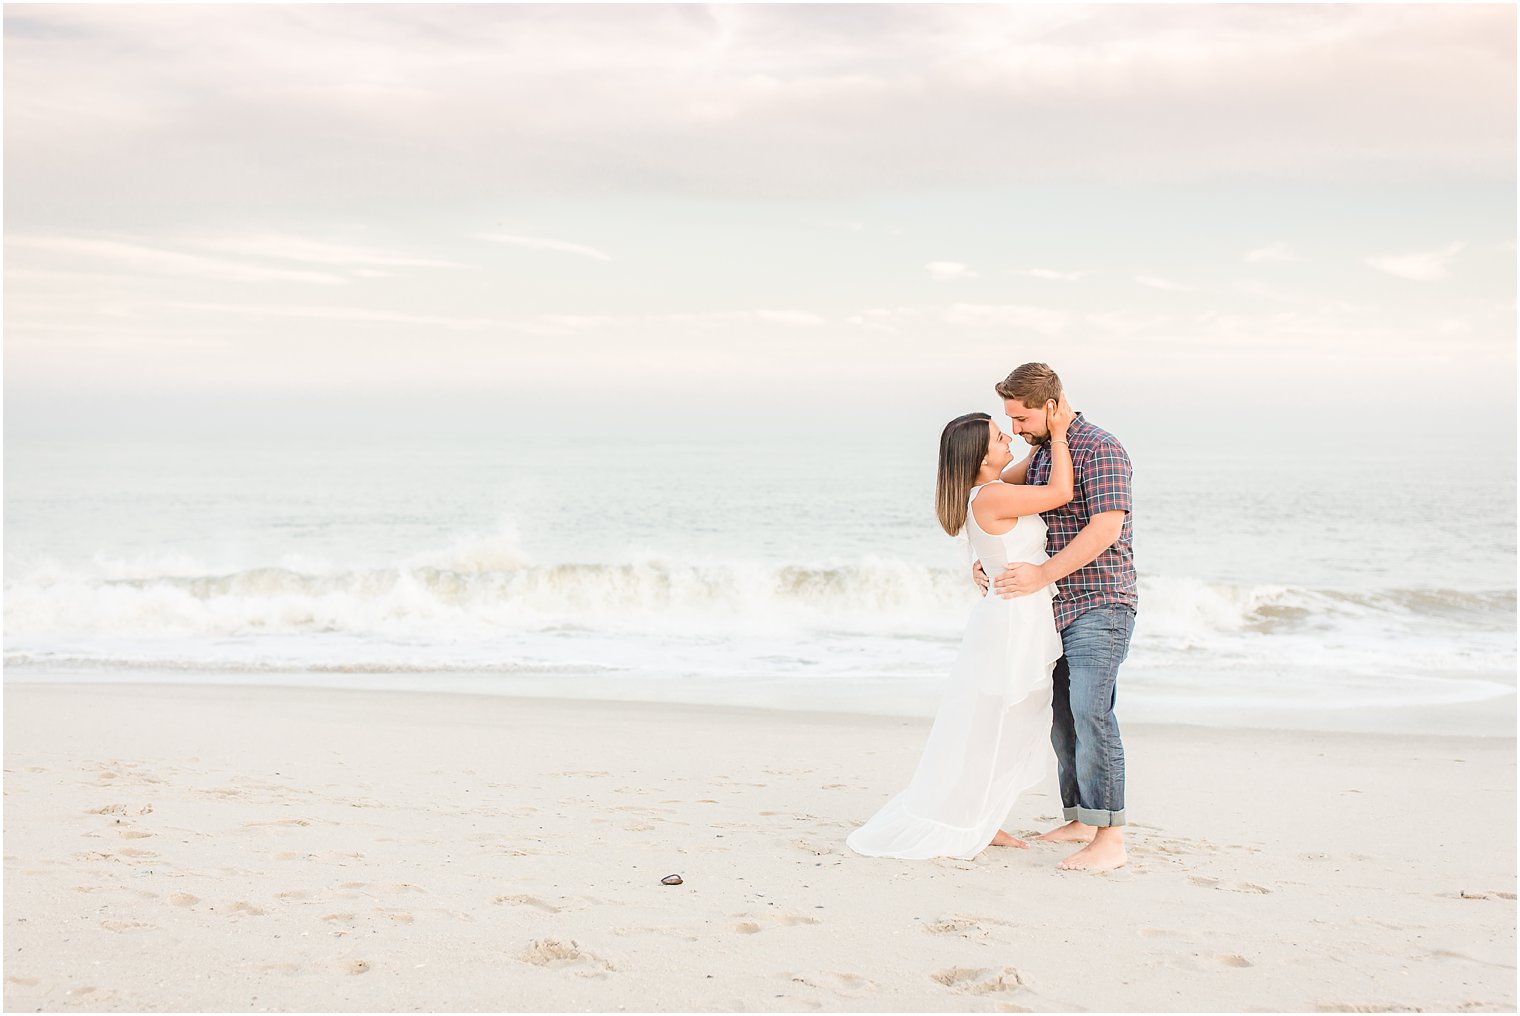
1002 839
1071 832
1104 853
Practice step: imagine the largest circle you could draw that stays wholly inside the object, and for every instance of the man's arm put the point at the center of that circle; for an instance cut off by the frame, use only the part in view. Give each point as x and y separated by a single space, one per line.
1022 578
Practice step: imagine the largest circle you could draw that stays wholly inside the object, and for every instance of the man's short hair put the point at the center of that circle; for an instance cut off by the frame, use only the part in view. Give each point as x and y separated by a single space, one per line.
1032 384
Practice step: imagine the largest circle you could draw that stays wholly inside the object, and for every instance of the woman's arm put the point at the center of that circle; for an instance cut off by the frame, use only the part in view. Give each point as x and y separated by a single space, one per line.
1010 501
1016 472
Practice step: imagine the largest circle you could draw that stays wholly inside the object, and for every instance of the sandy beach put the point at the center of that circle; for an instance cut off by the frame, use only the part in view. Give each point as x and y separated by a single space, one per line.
266 849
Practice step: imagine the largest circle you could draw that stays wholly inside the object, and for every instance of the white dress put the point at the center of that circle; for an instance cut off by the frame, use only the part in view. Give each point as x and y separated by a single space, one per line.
991 736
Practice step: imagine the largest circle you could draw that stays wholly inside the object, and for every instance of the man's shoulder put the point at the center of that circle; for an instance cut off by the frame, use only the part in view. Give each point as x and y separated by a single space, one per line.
1097 437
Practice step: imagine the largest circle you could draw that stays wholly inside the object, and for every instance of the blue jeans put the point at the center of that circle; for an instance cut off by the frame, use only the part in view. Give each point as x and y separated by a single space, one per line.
1085 733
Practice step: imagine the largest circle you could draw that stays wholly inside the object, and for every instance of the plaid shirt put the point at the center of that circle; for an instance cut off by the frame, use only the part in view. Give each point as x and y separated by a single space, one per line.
1102 472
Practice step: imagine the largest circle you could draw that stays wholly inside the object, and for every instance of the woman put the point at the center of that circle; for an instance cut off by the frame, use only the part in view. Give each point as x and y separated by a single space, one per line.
991 736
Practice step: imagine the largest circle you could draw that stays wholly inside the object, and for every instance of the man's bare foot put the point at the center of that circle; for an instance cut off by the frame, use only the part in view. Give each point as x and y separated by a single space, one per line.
1071 832
1002 839
1104 853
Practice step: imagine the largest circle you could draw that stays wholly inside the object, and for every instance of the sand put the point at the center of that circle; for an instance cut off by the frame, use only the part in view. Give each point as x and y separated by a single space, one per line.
172 847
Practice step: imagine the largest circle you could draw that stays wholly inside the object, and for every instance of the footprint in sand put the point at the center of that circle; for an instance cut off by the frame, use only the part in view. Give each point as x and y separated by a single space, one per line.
119 809
684 934
841 983
401 887
1159 933
1478 894
1234 960
280 822
242 908
979 981
955 863
135 834
1245 887
753 926
961 924
127 926
556 954
26 982
184 900
645 810
357 966
528 901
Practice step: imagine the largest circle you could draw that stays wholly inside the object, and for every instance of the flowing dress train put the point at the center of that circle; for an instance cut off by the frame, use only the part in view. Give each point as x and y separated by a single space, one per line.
990 740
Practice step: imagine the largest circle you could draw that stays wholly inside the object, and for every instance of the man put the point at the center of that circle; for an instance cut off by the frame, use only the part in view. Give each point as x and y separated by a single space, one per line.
1091 559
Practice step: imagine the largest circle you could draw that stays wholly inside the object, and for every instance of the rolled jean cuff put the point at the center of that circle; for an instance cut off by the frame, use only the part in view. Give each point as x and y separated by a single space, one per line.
1094 816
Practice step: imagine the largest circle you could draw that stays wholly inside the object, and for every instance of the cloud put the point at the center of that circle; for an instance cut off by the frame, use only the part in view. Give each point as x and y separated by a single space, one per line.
790 317
1423 267
945 271
367 315
539 243
1122 325
541 324
139 258
1046 273
300 248
884 319
1261 290
1272 252
1038 319
357 104
1155 282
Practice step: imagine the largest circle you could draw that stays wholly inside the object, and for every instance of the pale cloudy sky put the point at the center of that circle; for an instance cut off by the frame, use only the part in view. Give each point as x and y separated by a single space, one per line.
633 214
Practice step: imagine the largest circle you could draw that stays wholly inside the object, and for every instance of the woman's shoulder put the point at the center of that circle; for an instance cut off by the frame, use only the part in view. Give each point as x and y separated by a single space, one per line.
997 491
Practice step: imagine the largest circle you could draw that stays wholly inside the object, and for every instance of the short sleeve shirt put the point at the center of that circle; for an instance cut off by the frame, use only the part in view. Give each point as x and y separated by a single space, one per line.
1103 473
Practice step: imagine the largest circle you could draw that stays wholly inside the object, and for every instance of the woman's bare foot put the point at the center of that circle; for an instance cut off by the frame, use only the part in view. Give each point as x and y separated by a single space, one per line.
1071 832
1002 839
1104 853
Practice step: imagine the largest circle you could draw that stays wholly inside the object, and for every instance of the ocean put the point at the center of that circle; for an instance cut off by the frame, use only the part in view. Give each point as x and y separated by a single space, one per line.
1297 589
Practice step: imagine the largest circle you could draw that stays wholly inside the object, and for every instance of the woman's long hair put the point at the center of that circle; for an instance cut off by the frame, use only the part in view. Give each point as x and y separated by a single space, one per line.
962 446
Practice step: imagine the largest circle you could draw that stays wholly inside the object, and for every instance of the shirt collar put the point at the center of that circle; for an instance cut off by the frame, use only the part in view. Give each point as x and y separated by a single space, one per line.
1079 423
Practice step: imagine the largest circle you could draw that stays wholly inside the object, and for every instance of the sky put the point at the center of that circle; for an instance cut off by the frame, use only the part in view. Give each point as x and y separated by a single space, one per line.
1262 220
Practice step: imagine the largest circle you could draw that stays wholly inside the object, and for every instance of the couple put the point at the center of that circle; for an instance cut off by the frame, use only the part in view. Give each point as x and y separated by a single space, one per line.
1037 666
